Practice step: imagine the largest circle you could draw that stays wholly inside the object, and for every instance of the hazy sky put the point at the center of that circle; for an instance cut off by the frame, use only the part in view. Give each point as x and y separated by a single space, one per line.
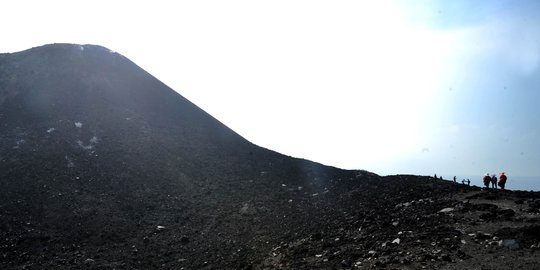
422 87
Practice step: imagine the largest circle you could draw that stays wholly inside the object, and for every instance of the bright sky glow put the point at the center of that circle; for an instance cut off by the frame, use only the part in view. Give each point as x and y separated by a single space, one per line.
422 87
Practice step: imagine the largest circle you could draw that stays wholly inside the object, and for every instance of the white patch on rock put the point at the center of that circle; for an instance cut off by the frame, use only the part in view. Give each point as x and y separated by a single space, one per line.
247 209
78 124
50 130
85 147
446 210
406 204
94 140
18 143
70 163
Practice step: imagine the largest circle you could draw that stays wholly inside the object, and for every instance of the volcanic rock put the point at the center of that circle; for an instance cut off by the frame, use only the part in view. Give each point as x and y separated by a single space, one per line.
102 166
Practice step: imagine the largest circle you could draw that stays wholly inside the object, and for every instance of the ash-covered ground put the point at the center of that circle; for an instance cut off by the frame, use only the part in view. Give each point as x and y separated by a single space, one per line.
104 167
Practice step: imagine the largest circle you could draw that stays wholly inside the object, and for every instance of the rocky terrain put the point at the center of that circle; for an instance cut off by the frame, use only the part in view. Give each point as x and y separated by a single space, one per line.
104 167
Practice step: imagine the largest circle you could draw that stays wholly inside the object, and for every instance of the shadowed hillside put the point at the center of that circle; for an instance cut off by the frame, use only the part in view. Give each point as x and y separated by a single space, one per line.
102 166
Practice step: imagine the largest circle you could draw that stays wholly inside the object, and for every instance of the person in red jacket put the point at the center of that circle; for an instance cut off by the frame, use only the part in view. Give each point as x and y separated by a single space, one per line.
502 180
487 180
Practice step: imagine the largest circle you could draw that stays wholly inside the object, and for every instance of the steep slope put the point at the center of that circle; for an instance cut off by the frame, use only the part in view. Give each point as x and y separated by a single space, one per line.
96 152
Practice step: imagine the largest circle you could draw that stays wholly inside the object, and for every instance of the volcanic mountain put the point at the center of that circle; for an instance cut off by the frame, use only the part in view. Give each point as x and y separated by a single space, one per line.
102 166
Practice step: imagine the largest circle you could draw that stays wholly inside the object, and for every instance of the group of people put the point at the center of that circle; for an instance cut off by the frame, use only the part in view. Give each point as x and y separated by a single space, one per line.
463 181
492 180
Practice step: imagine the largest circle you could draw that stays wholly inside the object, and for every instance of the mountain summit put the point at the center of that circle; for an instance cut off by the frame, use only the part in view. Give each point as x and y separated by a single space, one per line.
102 166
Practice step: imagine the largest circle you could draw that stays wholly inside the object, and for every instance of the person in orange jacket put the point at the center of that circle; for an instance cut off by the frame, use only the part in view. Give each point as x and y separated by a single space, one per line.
502 180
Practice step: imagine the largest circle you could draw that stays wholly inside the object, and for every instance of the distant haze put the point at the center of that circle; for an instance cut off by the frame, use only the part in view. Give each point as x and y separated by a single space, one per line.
419 87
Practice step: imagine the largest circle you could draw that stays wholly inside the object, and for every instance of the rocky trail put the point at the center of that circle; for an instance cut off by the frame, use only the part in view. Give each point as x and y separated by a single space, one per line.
470 229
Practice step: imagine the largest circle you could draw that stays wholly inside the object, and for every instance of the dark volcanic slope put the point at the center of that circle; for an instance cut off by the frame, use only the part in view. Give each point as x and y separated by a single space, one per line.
96 153
104 167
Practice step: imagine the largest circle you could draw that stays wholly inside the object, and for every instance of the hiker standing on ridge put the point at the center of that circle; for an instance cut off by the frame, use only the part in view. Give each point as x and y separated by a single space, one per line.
494 181
487 180
502 180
